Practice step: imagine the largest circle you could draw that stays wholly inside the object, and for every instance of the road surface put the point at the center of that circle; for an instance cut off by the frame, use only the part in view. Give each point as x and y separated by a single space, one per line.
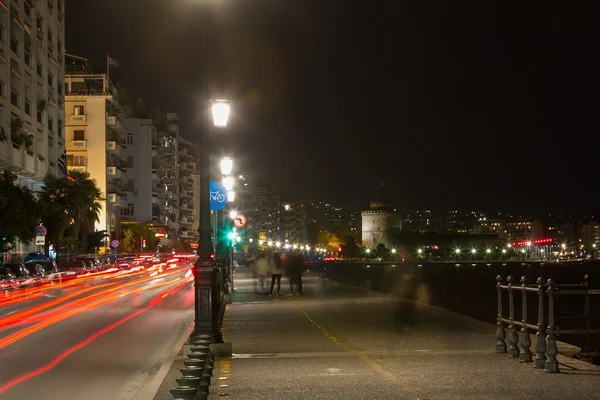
93 337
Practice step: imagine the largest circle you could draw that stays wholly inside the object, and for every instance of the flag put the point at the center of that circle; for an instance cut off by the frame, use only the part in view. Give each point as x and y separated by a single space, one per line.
62 163
112 62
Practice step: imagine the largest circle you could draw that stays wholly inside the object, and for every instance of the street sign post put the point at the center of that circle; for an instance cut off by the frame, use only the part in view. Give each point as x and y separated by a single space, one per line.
40 240
218 196
41 231
114 243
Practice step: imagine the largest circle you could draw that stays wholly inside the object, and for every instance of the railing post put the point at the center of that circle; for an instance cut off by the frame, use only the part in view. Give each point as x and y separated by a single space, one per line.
540 345
513 339
500 334
525 355
552 351
587 346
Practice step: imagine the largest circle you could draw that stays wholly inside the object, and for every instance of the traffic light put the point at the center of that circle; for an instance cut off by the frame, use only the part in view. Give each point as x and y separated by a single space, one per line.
143 243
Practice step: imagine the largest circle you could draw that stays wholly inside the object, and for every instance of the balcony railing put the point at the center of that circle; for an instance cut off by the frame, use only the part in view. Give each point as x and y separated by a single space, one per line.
79 144
79 119
114 172
116 199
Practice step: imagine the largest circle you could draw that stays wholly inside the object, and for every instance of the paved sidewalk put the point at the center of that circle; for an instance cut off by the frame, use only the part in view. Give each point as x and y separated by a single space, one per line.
337 341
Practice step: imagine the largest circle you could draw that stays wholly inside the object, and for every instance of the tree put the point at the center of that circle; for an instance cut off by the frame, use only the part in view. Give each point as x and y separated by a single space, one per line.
134 234
381 251
18 212
329 240
95 240
85 201
71 203
350 249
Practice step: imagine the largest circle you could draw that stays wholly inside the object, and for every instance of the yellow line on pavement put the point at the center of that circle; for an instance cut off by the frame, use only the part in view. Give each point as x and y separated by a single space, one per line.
370 361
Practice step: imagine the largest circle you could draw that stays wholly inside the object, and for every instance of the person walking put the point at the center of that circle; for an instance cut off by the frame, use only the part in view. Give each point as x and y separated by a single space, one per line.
261 270
295 274
276 271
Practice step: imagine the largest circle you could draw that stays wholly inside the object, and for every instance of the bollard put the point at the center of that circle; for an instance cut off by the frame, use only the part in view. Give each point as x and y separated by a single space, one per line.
500 334
540 345
196 372
188 381
525 341
183 393
513 339
552 350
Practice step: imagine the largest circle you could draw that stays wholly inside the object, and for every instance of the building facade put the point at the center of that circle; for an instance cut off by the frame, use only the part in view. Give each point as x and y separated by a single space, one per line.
293 224
144 187
32 87
377 225
167 167
95 138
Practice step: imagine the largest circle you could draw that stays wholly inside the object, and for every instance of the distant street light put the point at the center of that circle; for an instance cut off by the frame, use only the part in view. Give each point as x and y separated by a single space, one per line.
231 196
233 214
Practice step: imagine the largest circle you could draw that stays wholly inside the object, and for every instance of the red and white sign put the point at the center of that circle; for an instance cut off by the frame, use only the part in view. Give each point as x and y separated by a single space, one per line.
240 221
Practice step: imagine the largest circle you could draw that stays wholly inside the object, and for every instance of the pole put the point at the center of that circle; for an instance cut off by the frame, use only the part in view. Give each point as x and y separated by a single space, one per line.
108 72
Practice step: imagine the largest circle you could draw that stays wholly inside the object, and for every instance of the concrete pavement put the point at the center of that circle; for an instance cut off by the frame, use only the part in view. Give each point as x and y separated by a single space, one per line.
337 341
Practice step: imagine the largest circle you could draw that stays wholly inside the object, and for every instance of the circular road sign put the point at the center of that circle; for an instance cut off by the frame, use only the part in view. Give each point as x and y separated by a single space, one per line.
40 231
240 221
114 243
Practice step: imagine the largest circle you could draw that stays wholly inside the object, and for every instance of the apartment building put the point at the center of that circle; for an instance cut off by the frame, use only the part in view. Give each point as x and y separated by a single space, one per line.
144 189
96 139
32 89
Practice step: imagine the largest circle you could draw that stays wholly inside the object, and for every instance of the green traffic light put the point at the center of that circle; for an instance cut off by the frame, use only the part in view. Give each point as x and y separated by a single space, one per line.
231 235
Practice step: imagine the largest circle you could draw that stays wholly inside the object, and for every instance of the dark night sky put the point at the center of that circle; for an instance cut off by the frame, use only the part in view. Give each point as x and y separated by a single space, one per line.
478 105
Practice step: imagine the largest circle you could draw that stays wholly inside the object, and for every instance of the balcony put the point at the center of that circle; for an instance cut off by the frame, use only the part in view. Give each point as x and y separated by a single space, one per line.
186 193
79 119
189 234
186 221
115 148
111 121
116 199
157 201
185 207
79 144
78 168
115 173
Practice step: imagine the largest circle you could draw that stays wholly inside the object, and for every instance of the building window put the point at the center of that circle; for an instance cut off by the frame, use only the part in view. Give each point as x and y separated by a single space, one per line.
79 110
39 116
40 70
50 124
1 33
39 23
14 45
129 186
27 57
129 163
1 89
27 107
59 47
79 135
59 88
50 79
50 36
76 161
130 138
127 211
27 8
59 127
14 98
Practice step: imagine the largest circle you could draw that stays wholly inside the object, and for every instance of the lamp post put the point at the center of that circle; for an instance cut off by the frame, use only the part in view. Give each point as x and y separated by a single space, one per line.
207 296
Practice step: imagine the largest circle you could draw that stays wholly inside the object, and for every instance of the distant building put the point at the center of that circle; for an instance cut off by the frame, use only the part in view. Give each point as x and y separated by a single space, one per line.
94 138
341 219
260 203
521 229
590 234
377 225
292 224
167 167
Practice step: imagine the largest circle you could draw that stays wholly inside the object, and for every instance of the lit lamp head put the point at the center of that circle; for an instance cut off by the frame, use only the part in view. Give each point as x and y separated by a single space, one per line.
226 166
228 183
220 113
233 214
231 196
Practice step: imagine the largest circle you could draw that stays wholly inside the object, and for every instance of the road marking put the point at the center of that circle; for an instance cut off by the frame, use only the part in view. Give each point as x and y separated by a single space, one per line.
367 359
390 353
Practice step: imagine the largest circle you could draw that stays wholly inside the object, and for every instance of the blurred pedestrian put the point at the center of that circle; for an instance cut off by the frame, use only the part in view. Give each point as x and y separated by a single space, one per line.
295 274
261 271
276 271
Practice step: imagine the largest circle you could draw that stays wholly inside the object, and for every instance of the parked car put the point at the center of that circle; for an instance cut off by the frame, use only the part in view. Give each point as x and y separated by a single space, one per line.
73 267
44 268
22 275
8 280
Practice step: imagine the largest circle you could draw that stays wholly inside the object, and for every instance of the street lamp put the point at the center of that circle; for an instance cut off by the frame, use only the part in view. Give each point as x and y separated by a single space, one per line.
220 112
233 214
226 166
228 183
231 196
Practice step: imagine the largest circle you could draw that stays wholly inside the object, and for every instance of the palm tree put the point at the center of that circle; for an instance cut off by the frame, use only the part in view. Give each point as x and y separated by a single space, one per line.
73 203
134 234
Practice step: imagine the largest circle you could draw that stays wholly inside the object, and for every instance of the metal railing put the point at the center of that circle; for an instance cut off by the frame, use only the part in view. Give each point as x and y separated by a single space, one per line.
546 348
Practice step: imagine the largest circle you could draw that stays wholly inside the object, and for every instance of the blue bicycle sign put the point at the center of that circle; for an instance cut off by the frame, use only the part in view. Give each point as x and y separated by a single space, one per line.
218 197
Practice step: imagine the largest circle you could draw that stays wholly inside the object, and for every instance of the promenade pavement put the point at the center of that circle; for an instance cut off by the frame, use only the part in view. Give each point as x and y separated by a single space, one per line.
342 342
